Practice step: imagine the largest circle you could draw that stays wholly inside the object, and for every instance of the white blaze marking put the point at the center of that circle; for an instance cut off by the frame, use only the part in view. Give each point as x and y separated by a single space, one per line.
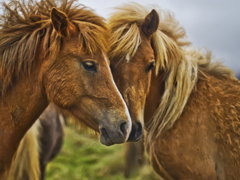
124 103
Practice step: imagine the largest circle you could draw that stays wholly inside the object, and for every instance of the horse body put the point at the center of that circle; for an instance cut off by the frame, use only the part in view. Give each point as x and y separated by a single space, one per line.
16 119
191 104
49 55
51 137
41 143
203 143
26 165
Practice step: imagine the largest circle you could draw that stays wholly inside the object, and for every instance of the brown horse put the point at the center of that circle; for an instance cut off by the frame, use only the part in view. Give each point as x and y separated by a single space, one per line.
41 143
49 55
191 105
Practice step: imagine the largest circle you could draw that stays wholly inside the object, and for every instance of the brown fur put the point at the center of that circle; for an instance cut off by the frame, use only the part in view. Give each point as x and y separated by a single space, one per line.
42 63
25 24
191 106
26 163
41 143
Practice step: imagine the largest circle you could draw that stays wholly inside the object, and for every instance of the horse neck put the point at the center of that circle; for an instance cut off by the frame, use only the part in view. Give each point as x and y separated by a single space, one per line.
19 109
155 93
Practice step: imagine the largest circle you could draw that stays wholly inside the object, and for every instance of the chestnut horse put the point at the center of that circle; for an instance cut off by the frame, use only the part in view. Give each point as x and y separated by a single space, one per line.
41 143
55 52
191 105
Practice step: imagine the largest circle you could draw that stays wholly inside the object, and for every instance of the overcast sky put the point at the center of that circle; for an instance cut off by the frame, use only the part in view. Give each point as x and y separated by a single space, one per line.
214 24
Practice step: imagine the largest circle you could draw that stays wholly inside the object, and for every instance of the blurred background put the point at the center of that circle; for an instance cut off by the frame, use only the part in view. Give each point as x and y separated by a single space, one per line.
82 157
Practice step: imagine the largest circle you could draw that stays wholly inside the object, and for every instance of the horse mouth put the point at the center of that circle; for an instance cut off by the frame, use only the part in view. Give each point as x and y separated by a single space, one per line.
104 137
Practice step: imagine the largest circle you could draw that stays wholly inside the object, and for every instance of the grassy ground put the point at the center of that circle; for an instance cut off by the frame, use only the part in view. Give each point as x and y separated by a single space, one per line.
84 158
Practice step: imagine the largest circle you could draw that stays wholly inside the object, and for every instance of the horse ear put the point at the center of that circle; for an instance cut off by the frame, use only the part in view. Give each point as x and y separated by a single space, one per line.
60 22
151 22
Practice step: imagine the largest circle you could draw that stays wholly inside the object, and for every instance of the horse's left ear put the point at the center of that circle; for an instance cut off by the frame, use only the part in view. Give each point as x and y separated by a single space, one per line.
151 22
60 22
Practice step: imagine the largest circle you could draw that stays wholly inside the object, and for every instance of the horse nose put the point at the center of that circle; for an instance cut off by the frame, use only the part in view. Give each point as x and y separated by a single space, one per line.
136 132
114 134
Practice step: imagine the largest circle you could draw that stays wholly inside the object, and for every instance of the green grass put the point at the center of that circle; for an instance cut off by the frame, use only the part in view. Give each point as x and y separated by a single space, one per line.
84 158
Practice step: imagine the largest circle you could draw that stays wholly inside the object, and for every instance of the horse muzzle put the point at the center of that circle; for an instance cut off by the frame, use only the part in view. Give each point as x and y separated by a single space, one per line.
115 134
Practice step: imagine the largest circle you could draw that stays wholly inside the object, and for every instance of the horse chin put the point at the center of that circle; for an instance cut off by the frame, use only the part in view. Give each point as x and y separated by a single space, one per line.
109 138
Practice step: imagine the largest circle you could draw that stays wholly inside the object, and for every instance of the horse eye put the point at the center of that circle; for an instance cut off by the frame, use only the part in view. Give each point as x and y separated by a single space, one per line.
150 66
90 66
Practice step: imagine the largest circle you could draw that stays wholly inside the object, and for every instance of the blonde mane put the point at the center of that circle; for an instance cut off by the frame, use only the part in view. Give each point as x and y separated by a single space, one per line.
26 24
25 165
181 66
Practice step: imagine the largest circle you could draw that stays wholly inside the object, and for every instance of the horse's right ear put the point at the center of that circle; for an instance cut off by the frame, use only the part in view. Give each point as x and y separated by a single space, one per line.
151 22
60 22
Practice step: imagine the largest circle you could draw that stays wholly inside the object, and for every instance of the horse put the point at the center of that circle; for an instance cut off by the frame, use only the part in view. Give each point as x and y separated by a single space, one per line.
56 51
41 143
52 135
190 104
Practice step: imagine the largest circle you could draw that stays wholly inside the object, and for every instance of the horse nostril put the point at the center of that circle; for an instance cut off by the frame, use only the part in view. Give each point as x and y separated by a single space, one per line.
104 133
139 130
136 132
123 128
